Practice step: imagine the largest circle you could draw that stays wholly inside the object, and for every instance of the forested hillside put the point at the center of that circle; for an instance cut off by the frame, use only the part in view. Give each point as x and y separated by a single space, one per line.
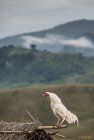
20 66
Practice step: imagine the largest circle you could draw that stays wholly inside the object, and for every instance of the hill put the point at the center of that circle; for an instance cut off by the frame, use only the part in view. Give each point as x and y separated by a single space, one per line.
70 30
20 66
79 99
73 37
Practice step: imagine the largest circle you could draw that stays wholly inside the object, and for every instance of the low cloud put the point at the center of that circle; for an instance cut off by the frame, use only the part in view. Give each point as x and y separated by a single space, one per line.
81 42
28 40
57 40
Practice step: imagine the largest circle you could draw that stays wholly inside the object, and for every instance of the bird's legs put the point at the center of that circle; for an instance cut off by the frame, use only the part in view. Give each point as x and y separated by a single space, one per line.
58 121
62 121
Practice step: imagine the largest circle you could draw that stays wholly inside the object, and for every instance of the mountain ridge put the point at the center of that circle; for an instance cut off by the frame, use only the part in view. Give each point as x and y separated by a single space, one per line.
58 38
55 27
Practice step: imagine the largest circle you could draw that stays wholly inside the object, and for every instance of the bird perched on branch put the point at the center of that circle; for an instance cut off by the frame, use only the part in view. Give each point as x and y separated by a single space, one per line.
60 111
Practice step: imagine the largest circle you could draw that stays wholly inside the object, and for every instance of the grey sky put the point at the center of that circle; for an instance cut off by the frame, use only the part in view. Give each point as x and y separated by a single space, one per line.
19 16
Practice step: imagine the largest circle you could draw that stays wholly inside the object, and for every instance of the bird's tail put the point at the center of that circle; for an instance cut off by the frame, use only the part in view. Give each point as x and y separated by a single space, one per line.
72 118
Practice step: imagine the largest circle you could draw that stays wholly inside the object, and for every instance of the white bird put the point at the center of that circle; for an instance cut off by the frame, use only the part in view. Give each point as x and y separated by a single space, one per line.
60 111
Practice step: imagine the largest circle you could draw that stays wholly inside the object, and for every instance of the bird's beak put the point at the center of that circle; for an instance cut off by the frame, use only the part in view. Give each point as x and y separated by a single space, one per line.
43 94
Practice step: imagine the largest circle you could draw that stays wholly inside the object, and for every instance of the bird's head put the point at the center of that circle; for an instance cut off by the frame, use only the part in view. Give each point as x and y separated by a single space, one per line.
53 97
45 94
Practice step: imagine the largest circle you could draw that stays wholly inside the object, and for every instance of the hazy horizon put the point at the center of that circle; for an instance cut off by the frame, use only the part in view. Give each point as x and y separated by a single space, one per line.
21 16
37 30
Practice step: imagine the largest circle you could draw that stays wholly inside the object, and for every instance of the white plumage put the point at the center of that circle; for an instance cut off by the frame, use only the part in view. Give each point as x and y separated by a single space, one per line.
60 111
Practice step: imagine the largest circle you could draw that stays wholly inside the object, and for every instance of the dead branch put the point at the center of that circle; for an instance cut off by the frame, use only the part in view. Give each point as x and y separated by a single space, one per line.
60 135
15 132
52 127
27 130
31 116
39 127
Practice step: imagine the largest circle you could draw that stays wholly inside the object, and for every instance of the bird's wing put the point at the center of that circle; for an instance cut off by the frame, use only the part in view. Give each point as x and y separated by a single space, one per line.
60 109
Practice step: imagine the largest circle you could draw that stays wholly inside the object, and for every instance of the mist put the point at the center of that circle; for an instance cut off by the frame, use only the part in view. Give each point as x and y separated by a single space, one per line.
55 43
80 42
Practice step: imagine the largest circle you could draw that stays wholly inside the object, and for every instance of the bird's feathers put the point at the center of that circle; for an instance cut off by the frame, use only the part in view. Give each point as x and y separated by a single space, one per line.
60 110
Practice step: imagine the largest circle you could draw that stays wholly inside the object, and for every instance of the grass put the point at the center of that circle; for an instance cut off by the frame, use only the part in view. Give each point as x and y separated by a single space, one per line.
79 99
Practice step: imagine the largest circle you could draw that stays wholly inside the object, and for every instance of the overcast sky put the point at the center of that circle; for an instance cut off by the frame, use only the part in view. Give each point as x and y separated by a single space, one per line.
20 16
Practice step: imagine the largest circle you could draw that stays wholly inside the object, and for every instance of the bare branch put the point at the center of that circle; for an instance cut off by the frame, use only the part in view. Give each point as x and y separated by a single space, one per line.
52 127
60 135
31 116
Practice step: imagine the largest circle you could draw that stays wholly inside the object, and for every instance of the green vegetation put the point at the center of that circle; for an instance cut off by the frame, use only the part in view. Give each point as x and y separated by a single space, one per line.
79 99
19 67
34 69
